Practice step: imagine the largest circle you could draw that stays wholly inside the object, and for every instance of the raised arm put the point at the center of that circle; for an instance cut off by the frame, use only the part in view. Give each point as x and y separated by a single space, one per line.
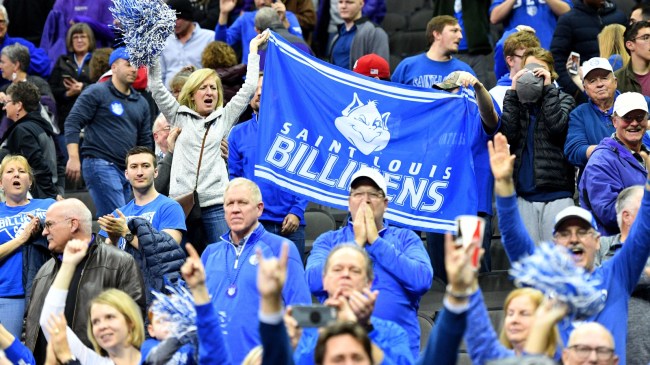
450 325
212 347
515 239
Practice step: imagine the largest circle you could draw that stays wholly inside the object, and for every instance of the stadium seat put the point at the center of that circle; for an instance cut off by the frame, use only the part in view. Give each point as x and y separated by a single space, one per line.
393 22
317 222
426 325
496 286
418 20
431 301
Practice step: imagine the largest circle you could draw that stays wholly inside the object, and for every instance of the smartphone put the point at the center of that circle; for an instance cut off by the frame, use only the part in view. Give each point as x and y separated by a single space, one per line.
313 315
66 76
575 63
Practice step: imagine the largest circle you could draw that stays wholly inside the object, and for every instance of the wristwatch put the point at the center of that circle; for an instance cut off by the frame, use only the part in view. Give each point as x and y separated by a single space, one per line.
129 237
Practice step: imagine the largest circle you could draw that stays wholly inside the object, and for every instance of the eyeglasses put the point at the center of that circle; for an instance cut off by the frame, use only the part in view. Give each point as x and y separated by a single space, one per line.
564 236
518 56
167 128
372 195
644 38
3 21
583 352
630 118
48 224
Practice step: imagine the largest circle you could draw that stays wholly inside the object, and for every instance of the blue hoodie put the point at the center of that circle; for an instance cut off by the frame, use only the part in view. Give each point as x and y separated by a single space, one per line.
242 156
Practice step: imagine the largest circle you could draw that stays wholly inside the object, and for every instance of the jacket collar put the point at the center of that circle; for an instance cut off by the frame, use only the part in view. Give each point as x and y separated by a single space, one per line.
252 237
91 247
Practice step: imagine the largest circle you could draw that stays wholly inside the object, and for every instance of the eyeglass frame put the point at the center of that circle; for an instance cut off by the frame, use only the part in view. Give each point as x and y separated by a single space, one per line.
599 352
581 235
49 224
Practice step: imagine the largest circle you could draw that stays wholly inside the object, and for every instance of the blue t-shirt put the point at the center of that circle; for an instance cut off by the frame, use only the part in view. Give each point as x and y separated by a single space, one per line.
423 72
534 13
162 213
12 224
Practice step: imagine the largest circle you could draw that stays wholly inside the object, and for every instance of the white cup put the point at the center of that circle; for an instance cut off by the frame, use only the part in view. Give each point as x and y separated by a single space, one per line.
470 230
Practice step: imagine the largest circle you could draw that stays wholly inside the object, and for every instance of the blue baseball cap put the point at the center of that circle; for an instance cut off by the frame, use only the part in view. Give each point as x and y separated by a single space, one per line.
117 54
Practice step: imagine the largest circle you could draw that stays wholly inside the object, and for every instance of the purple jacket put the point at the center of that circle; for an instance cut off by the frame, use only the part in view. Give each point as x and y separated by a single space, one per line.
610 169
95 13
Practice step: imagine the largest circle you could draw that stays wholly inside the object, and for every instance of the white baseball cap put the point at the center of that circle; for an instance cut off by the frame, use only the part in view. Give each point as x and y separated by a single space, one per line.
626 102
373 175
573 212
595 63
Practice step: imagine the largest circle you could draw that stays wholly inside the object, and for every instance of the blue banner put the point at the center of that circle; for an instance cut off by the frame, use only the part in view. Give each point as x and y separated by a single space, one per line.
319 124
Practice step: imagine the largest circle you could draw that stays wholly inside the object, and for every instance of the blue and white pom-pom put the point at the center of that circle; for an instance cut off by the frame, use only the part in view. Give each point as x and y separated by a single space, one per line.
145 26
177 307
552 270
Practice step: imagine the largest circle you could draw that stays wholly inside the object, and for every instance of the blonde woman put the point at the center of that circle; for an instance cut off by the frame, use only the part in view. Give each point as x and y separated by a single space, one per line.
199 107
612 45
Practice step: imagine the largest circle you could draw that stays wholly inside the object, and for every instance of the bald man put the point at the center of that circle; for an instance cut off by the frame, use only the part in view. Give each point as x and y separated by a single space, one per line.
591 343
104 267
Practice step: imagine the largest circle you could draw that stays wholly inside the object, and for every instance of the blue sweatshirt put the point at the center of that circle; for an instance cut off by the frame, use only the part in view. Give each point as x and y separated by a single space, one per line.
242 31
236 311
242 157
403 273
617 277
114 123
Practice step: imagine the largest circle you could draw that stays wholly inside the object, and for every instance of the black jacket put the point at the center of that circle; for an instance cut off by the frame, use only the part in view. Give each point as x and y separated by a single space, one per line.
577 31
106 267
157 255
66 65
552 170
32 137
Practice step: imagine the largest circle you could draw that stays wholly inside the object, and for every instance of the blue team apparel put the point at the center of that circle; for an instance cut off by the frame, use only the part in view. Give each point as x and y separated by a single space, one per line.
12 224
423 72
231 280
162 213
421 140
534 13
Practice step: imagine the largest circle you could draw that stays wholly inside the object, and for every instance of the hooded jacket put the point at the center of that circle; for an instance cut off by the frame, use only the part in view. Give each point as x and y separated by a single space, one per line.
32 137
552 171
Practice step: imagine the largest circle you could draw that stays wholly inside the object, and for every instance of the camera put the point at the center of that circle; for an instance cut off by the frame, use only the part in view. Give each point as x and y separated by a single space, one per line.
313 315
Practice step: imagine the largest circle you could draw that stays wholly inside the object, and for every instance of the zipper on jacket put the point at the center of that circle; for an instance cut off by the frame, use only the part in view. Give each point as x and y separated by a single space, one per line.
76 299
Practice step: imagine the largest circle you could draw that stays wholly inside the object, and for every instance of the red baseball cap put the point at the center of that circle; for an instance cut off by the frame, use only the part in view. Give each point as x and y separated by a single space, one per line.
372 65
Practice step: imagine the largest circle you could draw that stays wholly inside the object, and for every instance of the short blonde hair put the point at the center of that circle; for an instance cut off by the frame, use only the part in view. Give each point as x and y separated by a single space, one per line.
256 194
21 160
536 297
124 304
194 82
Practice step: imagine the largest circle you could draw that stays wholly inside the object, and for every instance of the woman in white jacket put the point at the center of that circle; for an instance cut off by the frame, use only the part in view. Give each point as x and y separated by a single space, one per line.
199 105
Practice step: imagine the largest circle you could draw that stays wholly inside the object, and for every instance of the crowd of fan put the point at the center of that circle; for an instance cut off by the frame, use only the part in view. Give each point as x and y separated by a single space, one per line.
167 153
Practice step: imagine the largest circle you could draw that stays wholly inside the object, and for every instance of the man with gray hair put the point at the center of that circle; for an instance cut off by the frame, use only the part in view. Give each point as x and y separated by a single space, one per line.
104 267
268 18
638 345
231 268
